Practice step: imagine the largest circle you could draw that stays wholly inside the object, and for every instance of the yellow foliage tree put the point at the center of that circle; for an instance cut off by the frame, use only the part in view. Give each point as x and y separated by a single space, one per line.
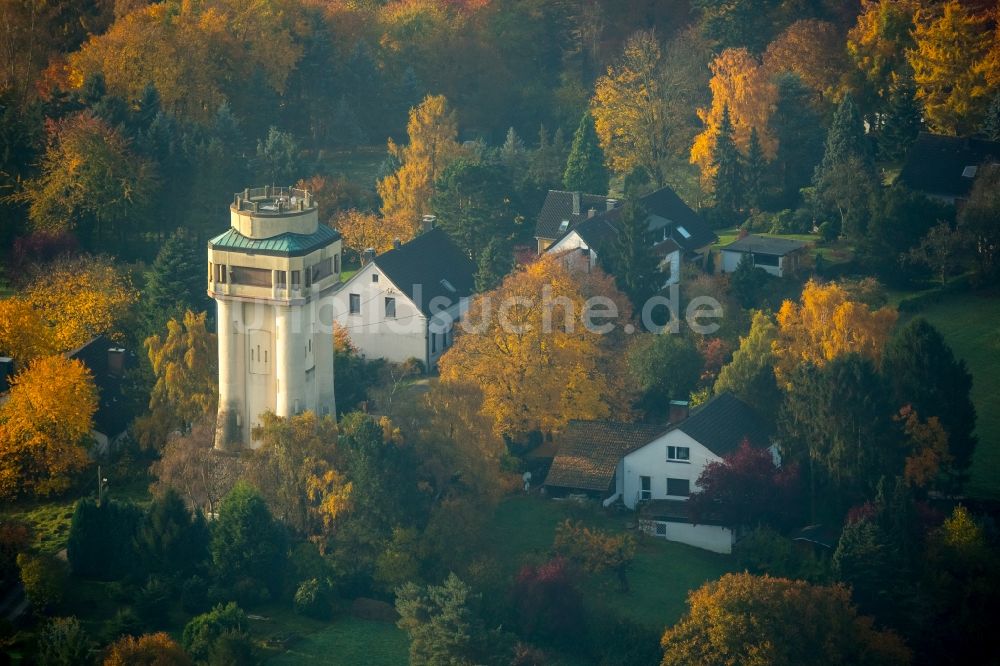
742 84
878 41
527 348
195 53
24 334
81 297
629 109
44 425
362 231
433 134
929 442
157 649
824 325
951 63
185 362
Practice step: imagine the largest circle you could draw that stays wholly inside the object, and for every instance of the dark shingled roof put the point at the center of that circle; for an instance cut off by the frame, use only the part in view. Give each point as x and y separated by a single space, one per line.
664 208
589 451
723 422
777 247
934 164
421 267
113 415
558 206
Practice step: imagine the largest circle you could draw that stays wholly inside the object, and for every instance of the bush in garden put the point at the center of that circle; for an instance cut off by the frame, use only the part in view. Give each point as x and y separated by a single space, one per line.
312 600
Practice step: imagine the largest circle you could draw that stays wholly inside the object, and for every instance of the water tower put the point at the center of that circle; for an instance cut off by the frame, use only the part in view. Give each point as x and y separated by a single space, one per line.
272 275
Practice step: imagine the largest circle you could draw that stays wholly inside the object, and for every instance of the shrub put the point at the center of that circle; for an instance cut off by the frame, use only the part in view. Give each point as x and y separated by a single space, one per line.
63 642
232 648
548 605
155 649
124 623
312 600
170 539
15 537
44 578
152 599
413 367
202 632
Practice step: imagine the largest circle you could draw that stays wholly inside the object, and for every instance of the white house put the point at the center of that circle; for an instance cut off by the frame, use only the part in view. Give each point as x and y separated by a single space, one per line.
656 467
777 256
405 303
676 231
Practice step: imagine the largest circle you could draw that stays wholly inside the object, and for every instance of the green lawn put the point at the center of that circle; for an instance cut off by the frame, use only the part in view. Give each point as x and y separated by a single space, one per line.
971 325
359 165
345 641
49 520
663 573
835 253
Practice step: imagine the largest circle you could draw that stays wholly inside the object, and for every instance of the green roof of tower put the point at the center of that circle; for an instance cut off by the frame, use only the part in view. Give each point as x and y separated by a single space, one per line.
286 245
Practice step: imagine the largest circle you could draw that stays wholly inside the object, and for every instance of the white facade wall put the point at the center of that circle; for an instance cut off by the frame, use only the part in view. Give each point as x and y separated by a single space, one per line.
731 261
708 537
395 339
576 253
651 461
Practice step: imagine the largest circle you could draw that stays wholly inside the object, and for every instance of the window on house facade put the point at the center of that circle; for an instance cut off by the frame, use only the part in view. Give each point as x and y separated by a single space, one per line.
678 453
678 487
390 307
281 279
355 304
645 488
374 277
308 278
296 279
661 529
434 338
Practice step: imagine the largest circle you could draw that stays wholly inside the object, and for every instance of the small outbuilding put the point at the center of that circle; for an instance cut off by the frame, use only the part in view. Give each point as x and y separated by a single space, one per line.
777 256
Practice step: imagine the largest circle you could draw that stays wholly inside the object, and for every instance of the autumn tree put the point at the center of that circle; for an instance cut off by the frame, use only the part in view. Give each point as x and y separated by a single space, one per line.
62 641
929 457
747 489
538 366
90 179
629 111
814 50
585 170
750 374
188 465
596 551
147 650
79 298
741 84
185 364
362 231
924 373
24 333
779 622
950 66
44 427
878 43
943 249
433 145
826 324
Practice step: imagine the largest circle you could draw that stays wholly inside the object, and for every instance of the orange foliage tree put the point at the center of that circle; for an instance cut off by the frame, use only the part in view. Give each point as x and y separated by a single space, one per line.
44 425
362 231
433 134
815 51
825 324
24 334
878 42
747 619
527 348
741 83
147 650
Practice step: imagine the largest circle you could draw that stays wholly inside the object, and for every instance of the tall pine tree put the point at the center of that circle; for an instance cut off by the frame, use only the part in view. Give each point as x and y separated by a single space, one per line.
631 258
728 163
174 283
756 165
585 170
799 131
991 124
902 121
844 140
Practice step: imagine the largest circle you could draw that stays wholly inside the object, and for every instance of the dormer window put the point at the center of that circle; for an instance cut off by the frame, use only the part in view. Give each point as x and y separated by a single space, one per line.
563 226
683 232
969 172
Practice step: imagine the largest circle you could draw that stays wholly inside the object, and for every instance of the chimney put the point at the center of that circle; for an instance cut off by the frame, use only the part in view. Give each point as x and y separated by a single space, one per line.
591 212
116 361
428 221
576 203
612 203
6 372
678 411
396 243
368 256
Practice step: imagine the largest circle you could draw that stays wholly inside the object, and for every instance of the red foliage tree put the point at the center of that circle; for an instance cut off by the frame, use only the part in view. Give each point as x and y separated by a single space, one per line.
547 602
747 489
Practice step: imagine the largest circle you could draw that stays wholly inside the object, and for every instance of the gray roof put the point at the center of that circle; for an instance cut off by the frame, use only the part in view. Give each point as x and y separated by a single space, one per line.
722 423
589 451
284 245
770 245
425 267
558 207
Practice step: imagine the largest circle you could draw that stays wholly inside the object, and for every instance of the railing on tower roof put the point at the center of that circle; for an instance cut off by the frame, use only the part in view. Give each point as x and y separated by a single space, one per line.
272 200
